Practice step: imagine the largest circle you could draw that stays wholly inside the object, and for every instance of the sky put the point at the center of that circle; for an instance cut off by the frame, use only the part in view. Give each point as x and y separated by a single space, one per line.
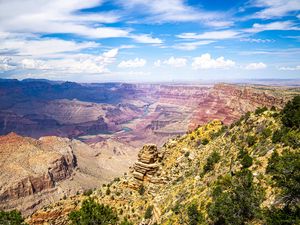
150 40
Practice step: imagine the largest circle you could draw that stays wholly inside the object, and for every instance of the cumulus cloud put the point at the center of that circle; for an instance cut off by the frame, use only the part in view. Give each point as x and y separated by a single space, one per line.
34 64
176 62
6 63
71 64
132 63
256 66
287 68
157 63
205 61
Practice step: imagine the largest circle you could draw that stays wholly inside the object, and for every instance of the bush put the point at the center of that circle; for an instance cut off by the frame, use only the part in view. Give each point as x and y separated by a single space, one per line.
141 190
266 132
277 135
11 218
88 192
92 212
205 141
236 200
187 154
291 113
195 217
285 171
212 159
176 209
292 139
148 213
250 140
287 136
259 111
247 161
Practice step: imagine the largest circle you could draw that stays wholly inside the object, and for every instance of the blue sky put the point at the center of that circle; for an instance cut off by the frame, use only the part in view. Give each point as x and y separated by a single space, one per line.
149 40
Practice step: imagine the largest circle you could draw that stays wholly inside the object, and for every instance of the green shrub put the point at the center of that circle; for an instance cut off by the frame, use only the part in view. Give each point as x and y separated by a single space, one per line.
88 192
277 135
291 113
285 171
236 200
141 190
176 209
13 217
250 140
212 159
92 212
266 132
259 111
287 136
195 217
292 138
205 141
187 154
247 161
148 213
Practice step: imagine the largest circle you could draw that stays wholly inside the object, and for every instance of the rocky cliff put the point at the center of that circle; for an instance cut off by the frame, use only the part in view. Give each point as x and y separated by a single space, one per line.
30 166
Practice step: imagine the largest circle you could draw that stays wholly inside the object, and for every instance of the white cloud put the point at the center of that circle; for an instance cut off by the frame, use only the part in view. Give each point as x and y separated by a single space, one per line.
61 16
157 63
159 11
71 64
132 63
192 45
57 16
284 25
111 53
255 66
34 64
213 35
5 63
44 47
275 8
256 40
296 68
146 39
206 62
176 62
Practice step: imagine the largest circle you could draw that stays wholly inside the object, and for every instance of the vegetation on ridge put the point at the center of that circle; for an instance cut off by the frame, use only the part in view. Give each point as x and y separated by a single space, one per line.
246 174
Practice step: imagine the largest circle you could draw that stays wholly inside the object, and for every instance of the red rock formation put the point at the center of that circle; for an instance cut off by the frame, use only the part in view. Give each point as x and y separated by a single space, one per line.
29 166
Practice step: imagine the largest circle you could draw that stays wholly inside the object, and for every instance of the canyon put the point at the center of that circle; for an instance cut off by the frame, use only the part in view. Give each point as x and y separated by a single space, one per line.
63 138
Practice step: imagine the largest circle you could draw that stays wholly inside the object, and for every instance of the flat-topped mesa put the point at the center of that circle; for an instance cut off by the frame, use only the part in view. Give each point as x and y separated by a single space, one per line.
146 166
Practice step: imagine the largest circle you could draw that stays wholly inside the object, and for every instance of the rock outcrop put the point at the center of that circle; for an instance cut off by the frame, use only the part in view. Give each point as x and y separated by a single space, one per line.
146 166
